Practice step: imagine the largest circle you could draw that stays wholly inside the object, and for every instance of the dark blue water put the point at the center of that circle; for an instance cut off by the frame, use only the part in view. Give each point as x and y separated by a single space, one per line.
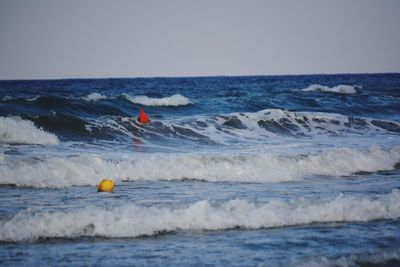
237 171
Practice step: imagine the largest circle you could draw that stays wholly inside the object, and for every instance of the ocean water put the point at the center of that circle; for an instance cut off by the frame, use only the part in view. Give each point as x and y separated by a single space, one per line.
231 171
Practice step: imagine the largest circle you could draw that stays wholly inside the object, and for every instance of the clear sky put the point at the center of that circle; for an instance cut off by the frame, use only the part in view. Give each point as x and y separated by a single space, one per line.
97 38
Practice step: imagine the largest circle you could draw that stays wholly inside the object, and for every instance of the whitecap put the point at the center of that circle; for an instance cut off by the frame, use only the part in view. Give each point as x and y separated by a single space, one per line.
14 130
94 97
133 221
57 172
174 100
6 98
342 89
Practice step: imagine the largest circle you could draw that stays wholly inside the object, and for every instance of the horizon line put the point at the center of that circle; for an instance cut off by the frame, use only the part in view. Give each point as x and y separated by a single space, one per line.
194 76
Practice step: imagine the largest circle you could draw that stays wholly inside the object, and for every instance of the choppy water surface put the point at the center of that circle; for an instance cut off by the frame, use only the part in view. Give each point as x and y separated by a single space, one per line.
231 171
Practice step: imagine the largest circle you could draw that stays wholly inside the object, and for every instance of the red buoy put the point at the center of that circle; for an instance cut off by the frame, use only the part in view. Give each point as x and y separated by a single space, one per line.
143 118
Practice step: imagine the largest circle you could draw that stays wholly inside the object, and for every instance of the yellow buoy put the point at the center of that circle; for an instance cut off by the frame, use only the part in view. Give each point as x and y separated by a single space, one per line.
106 185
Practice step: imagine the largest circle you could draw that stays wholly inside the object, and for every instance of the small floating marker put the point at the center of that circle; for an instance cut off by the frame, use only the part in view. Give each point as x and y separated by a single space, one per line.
106 185
143 117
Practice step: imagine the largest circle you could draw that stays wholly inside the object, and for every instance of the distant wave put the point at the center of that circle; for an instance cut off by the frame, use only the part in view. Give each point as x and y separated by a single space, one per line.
94 97
14 130
175 100
55 172
30 99
342 89
135 221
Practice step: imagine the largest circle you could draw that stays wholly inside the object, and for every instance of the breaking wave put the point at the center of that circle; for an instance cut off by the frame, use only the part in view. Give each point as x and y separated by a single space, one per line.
175 100
342 89
94 97
135 221
282 122
57 172
222 128
14 130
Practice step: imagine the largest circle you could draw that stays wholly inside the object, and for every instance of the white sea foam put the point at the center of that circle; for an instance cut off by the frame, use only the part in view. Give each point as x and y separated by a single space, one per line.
276 122
133 221
9 98
14 130
34 98
342 89
308 123
56 172
93 97
264 167
174 100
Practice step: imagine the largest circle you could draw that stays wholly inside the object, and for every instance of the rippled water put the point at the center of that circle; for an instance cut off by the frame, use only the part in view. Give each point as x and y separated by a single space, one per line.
237 171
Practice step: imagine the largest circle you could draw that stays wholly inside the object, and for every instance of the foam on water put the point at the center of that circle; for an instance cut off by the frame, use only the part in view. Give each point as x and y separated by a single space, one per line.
272 122
174 100
14 130
134 221
56 172
94 97
342 89
264 126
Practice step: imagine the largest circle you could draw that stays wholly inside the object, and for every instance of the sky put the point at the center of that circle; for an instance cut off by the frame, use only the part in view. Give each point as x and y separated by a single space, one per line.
50 39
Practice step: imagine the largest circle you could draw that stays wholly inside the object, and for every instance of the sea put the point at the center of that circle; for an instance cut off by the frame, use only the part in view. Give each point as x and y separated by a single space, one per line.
300 170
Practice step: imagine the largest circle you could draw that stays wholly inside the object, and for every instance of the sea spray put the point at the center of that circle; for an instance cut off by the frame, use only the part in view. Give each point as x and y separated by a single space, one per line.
14 130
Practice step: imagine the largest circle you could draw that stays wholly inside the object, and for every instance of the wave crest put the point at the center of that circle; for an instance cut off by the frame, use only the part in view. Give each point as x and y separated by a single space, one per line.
56 172
14 130
174 100
93 97
342 89
134 221
272 122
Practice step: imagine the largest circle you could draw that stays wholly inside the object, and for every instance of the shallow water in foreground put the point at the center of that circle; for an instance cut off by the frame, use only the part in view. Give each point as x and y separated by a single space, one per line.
319 242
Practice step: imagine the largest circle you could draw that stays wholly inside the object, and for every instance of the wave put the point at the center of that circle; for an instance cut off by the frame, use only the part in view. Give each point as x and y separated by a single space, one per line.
29 99
262 126
272 122
56 172
391 258
135 221
342 89
14 130
174 100
94 97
